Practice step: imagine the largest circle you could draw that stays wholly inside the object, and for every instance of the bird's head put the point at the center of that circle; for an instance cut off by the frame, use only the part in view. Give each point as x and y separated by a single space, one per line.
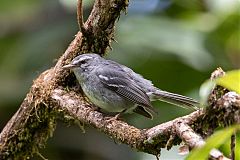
84 62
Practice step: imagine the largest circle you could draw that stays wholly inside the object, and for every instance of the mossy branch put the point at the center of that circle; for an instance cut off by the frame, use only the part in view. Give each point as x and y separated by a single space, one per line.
35 120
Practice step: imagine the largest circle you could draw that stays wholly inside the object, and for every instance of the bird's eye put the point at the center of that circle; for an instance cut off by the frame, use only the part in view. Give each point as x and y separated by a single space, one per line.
83 61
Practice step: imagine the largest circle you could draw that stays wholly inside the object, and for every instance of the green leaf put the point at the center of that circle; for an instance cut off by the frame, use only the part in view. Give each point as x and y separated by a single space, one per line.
217 139
230 81
205 89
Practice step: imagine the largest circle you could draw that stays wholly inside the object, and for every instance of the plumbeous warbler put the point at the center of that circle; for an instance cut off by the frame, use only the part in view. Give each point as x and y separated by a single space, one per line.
116 88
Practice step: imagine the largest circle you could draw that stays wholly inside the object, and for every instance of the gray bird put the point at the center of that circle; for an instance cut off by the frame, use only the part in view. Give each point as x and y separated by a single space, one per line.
116 88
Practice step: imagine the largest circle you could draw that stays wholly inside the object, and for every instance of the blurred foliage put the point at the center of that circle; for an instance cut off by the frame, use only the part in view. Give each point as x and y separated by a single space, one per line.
227 150
205 90
231 81
214 142
176 44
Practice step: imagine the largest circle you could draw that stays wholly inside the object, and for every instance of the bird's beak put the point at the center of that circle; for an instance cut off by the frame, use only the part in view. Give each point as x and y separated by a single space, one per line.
69 66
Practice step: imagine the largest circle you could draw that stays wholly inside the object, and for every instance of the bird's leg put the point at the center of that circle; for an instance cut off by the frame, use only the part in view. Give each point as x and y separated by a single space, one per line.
95 108
116 117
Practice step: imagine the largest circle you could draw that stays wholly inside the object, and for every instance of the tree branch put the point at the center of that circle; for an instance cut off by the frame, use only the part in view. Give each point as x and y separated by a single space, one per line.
146 140
193 140
35 120
80 16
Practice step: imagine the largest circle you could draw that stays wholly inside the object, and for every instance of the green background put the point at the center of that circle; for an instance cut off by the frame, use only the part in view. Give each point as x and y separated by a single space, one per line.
176 44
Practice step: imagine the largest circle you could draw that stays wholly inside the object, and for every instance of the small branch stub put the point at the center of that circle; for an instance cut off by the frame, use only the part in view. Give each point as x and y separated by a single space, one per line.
80 16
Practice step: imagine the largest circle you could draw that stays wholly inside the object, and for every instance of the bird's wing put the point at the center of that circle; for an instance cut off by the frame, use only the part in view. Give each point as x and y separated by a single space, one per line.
117 81
137 78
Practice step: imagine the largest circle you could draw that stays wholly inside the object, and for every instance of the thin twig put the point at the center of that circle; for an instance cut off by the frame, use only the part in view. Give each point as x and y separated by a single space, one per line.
233 143
80 16
41 156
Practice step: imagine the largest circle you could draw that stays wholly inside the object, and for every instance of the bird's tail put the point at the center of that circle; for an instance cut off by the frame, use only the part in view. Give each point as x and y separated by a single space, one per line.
176 99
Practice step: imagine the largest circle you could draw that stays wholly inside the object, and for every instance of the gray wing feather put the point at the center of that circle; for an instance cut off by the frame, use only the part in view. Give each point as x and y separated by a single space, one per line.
137 78
134 94
118 81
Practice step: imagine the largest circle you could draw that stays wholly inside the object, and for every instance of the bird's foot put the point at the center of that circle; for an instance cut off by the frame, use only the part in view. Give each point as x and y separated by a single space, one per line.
95 108
116 117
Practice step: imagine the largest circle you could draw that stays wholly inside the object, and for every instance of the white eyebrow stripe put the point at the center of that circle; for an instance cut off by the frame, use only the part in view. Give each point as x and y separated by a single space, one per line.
85 57
103 77
82 59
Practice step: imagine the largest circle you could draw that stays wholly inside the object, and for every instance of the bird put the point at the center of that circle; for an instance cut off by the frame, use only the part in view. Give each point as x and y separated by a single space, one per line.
116 88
